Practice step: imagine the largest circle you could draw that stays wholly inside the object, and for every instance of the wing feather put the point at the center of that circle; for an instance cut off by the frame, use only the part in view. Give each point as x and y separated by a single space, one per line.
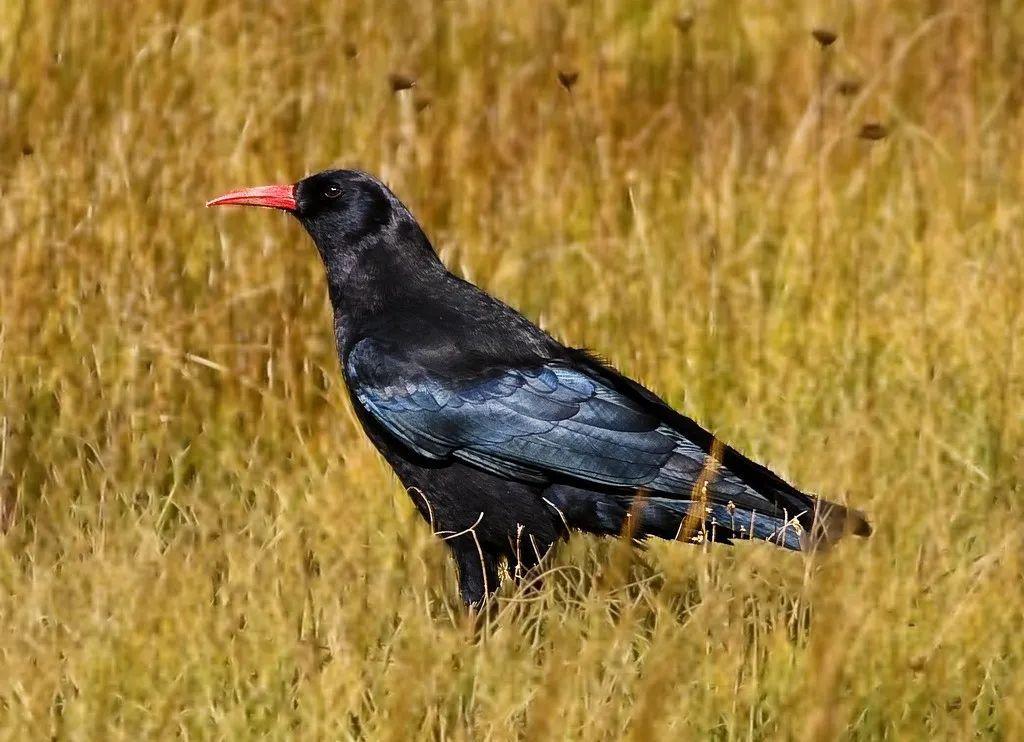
536 423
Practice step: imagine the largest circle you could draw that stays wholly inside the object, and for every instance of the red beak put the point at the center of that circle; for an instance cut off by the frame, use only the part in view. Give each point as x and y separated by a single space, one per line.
272 197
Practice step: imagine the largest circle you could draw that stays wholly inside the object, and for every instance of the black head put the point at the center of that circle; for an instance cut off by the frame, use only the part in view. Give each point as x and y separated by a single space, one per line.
343 211
343 206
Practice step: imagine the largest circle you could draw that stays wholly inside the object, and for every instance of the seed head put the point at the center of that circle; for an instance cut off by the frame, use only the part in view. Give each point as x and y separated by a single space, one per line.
848 87
567 78
421 102
873 131
824 37
683 22
400 82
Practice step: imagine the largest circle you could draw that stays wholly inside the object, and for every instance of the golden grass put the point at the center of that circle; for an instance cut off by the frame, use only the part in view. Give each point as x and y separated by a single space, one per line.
201 543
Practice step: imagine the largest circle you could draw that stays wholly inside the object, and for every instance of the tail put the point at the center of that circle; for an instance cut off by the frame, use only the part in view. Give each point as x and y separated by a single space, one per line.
638 516
831 521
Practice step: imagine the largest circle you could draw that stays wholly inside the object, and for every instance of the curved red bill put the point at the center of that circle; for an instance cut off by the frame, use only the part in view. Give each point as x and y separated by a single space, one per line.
271 197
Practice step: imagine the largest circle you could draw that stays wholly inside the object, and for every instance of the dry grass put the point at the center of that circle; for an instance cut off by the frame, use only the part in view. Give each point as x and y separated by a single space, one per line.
201 543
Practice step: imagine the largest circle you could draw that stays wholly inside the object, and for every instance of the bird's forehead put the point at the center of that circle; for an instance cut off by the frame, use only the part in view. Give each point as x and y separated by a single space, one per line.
337 176
322 178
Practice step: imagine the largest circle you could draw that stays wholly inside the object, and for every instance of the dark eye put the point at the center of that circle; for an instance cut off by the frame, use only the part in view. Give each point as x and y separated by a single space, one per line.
332 191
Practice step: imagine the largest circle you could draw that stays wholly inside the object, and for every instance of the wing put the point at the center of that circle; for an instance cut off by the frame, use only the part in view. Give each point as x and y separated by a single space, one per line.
538 423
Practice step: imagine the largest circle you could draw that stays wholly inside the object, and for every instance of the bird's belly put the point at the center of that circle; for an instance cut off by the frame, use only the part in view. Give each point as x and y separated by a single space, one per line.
454 497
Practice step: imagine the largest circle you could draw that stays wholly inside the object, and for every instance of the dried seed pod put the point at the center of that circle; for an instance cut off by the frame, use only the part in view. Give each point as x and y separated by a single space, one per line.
401 82
683 22
421 102
824 37
848 87
873 131
567 79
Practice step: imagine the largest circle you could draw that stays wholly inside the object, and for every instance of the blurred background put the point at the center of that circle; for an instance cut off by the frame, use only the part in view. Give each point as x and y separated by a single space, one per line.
800 222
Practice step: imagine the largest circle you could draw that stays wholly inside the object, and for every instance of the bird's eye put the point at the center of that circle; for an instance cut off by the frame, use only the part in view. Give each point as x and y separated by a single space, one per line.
332 191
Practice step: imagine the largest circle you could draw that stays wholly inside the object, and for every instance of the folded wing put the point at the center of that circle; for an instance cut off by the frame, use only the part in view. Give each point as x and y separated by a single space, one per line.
541 423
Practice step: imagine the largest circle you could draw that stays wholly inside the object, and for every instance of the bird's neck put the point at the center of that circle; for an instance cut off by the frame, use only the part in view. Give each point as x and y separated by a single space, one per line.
386 275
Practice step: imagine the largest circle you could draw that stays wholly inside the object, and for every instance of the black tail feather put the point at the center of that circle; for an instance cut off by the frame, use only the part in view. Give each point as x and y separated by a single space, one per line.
639 516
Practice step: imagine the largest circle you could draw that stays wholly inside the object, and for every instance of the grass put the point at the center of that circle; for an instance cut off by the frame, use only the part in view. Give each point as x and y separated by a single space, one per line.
200 543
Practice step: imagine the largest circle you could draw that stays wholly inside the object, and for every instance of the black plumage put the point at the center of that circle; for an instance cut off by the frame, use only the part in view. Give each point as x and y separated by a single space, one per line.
506 439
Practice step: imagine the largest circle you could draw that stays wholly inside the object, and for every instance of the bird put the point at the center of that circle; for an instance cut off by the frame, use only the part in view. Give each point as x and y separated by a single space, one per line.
506 439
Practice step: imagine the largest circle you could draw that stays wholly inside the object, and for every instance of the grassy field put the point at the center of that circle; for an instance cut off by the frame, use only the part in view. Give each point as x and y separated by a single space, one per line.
198 541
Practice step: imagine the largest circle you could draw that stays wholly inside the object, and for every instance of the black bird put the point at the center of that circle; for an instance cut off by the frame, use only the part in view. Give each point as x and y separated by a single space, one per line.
505 439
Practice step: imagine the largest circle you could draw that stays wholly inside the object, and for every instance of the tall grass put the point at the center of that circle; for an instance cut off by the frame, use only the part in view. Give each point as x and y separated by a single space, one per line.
199 541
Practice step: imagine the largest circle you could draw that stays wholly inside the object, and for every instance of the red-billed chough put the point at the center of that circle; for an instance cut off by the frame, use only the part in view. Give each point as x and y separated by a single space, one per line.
505 439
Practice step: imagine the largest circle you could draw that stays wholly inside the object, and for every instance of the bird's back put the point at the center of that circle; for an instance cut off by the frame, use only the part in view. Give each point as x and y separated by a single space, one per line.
454 328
